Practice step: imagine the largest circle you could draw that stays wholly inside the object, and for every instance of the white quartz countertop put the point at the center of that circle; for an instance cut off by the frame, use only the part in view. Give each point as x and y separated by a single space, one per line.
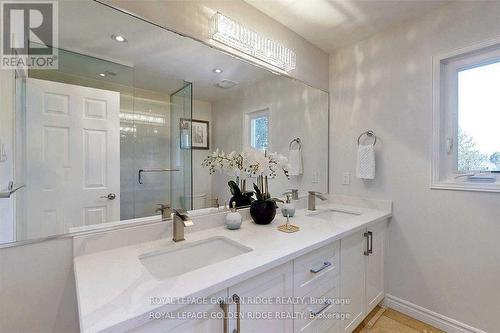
115 290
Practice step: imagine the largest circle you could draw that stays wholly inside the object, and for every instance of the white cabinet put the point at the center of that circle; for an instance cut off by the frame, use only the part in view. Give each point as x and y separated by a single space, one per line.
260 301
352 279
350 269
375 266
206 317
316 282
362 273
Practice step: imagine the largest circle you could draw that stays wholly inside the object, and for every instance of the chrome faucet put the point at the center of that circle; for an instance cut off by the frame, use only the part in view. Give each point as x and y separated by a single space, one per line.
166 211
181 220
311 199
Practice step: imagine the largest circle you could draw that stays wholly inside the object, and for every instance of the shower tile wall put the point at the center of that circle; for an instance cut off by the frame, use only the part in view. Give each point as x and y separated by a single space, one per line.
144 145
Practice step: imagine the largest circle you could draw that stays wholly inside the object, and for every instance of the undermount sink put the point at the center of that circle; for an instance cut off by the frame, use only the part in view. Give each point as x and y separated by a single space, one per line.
333 214
178 259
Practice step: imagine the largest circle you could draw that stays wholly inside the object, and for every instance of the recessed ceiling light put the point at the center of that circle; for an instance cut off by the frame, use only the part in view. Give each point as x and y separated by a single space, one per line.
102 74
119 38
217 70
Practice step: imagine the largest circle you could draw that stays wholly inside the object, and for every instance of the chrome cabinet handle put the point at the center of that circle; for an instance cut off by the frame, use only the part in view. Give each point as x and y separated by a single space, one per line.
327 304
223 305
237 301
317 270
110 196
369 243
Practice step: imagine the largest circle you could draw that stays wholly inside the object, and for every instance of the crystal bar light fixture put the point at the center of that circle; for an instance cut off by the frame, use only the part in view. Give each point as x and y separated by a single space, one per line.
239 37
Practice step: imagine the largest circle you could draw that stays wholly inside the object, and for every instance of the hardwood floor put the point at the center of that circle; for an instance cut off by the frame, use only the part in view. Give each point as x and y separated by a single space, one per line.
392 321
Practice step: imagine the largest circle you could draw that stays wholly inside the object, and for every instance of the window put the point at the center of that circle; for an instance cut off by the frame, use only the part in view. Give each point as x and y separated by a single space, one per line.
257 124
467 120
478 139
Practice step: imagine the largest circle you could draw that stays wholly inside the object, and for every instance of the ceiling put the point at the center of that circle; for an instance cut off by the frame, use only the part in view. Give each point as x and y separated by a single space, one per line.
330 24
161 60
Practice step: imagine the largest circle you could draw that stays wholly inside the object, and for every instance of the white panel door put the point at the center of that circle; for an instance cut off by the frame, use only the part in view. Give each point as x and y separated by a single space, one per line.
352 279
271 285
375 267
72 157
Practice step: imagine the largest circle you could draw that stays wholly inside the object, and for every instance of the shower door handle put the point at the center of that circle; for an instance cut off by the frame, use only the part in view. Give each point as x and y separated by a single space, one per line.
153 170
11 189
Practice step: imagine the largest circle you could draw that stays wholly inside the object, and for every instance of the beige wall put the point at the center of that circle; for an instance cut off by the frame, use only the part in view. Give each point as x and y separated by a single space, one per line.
442 245
192 17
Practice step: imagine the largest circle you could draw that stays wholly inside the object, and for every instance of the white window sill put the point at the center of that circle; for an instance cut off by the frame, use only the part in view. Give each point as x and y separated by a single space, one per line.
467 186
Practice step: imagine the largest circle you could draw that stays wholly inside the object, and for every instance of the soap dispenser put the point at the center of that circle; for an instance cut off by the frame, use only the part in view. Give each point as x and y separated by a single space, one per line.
233 218
288 209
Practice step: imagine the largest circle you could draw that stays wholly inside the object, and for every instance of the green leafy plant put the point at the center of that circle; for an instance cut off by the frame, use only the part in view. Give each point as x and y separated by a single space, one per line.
261 197
241 198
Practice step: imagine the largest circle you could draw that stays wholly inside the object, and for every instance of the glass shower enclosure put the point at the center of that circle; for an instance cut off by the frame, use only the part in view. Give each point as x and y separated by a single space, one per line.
93 145
181 106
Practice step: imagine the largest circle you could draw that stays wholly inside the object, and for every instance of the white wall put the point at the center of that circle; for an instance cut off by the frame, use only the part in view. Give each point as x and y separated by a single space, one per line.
192 18
37 288
7 231
296 110
202 183
442 245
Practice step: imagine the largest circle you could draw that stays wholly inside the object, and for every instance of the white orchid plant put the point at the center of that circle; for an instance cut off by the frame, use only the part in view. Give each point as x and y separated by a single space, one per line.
249 163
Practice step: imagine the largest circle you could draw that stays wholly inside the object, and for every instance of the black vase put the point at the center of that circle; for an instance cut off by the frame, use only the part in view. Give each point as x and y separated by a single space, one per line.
263 211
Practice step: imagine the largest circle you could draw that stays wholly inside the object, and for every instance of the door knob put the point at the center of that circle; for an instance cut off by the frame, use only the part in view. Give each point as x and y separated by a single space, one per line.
110 196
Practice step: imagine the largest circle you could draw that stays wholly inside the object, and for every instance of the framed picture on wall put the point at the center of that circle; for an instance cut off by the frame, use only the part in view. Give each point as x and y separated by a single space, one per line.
200 131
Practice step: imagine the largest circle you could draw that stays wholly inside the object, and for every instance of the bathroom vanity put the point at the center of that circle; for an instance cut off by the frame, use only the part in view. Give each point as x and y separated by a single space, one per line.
325 278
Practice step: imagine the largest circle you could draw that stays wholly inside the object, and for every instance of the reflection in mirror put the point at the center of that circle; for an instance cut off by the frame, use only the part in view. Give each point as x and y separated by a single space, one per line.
125 125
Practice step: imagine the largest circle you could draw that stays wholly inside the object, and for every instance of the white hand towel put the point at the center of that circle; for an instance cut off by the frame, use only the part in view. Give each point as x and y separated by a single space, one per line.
365 168
295 162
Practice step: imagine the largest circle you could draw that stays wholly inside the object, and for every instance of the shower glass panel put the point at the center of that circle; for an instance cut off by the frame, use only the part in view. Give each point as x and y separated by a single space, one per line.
181 103
149 172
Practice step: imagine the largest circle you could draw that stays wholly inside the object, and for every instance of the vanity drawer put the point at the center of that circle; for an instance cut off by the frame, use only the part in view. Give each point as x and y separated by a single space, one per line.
312 269
323 302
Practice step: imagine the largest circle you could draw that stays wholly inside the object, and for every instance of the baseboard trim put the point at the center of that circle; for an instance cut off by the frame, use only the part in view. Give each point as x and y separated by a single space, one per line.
427 316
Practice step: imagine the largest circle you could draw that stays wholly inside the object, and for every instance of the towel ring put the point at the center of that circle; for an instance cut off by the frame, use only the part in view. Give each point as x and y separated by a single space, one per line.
369 134
296 140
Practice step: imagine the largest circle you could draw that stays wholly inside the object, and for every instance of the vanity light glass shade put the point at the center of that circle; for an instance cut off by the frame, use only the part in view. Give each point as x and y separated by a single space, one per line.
239 37
142 118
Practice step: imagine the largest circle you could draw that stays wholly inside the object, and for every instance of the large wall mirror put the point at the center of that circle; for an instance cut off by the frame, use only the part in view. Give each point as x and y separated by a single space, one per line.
128 119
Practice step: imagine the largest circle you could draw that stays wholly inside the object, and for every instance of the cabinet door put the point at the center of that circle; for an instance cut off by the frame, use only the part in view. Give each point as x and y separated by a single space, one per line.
375 266
206 317
352 279
255 294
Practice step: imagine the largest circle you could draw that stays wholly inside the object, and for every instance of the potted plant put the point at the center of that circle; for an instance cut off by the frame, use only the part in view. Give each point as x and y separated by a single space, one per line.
251 163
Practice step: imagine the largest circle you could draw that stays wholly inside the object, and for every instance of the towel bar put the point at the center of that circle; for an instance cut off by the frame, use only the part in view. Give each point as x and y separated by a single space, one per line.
369 134
298 141
153 170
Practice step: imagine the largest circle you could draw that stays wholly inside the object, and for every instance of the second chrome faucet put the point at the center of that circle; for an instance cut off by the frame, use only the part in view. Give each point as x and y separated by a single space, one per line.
311 199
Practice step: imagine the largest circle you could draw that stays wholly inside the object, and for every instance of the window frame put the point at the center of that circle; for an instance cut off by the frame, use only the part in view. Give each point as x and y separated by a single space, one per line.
247 133
446 67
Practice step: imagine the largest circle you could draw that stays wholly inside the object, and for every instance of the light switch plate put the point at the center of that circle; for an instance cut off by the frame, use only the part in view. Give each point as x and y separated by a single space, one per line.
346 178
315 177
3 153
